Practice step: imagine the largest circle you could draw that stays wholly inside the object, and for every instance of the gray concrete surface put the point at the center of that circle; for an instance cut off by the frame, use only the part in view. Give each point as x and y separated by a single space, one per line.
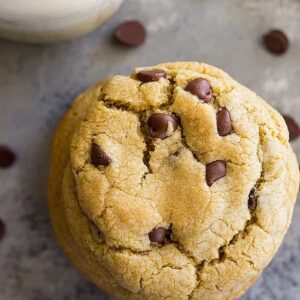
37 83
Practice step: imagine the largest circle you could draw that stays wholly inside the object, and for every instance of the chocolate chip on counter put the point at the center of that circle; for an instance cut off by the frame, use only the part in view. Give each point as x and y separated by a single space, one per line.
131 33
150 75
162 125
2 230
201 88
276 41
98 156
292 126
158 235
224 122
252 200
215 171
7 156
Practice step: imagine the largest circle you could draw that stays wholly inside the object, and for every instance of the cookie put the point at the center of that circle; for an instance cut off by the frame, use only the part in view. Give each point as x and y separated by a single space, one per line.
175 182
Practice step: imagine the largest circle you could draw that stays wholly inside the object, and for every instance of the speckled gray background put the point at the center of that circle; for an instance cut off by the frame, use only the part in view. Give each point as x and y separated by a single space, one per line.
37 84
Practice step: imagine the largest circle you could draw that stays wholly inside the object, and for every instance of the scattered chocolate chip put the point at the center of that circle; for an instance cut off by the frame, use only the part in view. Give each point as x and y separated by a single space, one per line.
214 171
158 235
224 122
131 33
252 200
7 156
150 75
201 88
276 41
292 126
162 125
98 156
2 230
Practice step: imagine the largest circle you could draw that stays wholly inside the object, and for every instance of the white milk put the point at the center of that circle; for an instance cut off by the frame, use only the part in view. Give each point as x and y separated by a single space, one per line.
42 21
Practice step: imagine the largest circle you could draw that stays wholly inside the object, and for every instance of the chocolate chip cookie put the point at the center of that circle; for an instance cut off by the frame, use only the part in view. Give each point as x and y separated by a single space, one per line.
175 182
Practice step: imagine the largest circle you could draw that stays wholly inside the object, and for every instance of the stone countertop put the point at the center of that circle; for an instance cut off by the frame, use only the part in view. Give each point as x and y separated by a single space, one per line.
37 84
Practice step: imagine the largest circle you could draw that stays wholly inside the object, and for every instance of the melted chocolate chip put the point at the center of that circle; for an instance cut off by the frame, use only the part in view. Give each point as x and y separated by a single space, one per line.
159 235
252 200
7 156
162 125
292 126
224 122
201 88
131 33
215 171
276 41
150 75
98 156
2 230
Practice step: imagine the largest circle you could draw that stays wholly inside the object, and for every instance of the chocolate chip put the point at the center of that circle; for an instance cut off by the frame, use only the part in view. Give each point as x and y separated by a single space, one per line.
201 88
2 230
98 156
276 41
162 125
131 33
158 235
292 126
252 200
150 75
214 171
224 122
7 156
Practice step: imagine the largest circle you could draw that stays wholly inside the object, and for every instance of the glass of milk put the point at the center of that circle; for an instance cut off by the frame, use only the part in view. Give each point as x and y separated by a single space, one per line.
43 21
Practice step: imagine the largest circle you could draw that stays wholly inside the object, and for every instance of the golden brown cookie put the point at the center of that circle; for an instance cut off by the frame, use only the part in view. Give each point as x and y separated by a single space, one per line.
175 182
